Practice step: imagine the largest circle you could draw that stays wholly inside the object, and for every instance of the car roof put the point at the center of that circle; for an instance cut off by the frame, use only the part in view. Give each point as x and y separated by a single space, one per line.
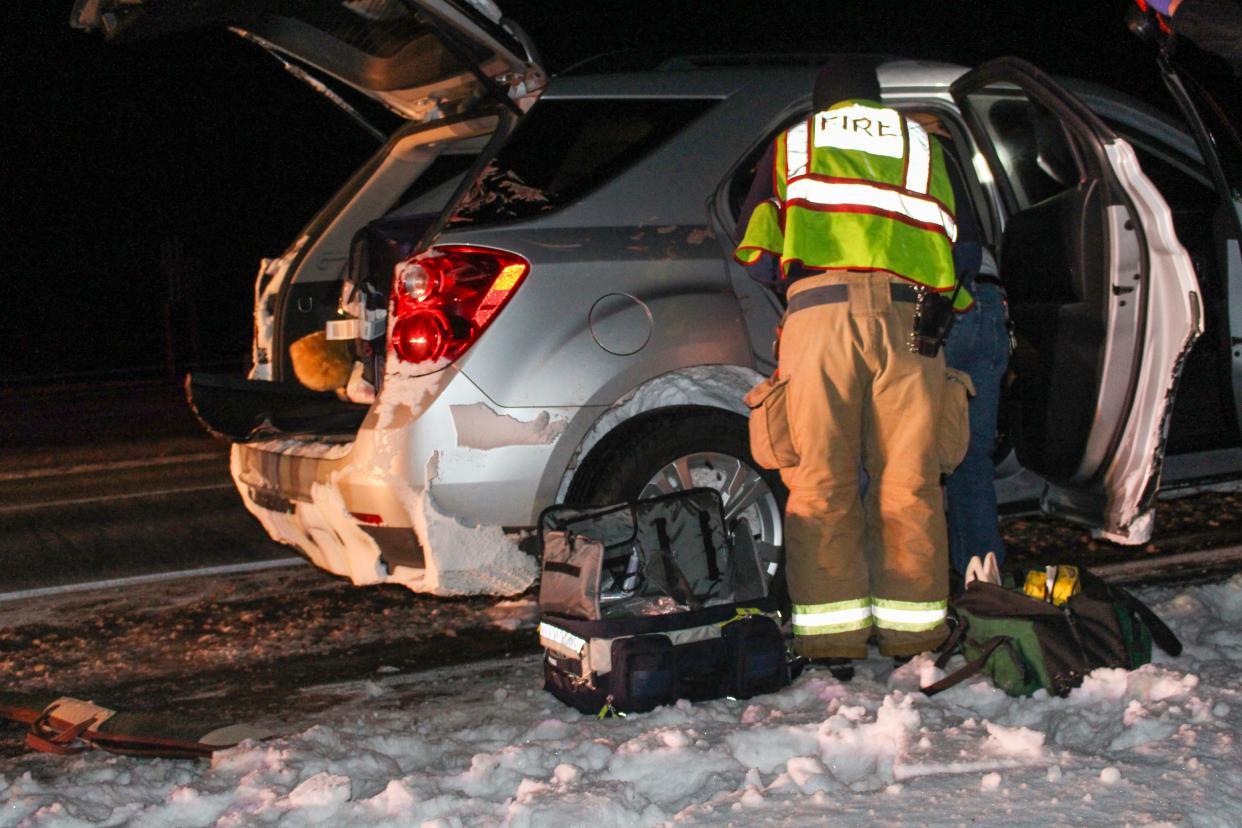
697 77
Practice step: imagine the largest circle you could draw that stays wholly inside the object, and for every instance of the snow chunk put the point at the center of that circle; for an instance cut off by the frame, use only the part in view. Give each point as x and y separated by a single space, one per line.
465 560
990 781
1110 776
1013 741
323 791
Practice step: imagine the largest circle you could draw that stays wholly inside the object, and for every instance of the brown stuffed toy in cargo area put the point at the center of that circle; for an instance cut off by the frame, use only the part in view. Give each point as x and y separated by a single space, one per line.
322 364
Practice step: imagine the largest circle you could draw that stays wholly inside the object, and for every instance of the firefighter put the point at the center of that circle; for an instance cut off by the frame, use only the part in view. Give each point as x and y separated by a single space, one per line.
851 217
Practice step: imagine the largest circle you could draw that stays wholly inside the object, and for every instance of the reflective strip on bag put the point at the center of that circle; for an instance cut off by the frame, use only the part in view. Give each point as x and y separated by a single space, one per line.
922 211
909 616
558 639
796 155
837 617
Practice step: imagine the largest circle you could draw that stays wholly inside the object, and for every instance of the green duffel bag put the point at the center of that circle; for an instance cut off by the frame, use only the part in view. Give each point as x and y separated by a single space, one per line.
1024 644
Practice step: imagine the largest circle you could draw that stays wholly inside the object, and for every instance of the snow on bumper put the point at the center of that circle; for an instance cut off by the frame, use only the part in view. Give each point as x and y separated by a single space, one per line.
458 559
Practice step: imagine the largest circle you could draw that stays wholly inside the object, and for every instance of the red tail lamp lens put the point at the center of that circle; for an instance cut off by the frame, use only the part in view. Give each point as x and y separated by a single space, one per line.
444 298
419 337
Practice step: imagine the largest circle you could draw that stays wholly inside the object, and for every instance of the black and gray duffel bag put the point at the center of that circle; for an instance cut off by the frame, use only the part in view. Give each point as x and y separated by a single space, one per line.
648 602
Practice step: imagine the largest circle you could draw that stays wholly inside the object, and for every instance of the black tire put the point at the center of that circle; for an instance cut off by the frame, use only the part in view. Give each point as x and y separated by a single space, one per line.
620 467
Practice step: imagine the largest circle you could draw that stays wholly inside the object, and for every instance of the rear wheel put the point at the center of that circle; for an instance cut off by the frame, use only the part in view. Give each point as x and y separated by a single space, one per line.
690 448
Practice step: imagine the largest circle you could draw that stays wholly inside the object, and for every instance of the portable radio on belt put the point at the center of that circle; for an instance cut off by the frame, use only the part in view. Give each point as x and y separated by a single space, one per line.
933 319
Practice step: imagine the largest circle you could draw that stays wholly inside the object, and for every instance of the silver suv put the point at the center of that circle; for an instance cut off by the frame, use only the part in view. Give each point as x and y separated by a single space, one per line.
538 303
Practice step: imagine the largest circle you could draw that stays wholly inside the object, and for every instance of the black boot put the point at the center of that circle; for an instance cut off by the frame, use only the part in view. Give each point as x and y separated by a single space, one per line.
842 669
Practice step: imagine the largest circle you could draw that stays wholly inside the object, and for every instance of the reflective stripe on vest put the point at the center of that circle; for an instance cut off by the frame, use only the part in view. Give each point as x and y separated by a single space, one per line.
908 616
859 187
837 617
856 197
918 159
797 150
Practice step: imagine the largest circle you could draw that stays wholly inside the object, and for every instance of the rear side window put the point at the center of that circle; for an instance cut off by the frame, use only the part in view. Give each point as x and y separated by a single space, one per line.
566 148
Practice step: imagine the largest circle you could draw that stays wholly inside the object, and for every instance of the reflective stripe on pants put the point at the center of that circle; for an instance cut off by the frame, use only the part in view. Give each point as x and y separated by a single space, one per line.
837 617
910 616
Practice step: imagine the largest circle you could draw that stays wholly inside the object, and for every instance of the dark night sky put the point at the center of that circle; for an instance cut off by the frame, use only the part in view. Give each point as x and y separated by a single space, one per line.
200 146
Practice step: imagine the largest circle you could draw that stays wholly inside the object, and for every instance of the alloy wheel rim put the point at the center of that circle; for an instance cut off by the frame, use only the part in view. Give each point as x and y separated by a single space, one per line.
744 491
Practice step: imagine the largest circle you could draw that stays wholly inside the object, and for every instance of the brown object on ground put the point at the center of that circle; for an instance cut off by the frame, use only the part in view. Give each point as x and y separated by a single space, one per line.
321 364
64 725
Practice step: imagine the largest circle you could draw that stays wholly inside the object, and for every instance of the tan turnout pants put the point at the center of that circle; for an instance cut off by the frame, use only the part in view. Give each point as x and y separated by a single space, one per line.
857 394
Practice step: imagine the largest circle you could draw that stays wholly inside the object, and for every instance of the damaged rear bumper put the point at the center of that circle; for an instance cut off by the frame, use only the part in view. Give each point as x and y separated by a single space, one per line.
420 495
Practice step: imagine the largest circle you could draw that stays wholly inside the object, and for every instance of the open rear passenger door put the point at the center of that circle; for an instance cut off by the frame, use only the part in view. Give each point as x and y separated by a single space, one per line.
1103 296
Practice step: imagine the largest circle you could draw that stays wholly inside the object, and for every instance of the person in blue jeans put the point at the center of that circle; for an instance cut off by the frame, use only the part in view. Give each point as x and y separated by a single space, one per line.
979 345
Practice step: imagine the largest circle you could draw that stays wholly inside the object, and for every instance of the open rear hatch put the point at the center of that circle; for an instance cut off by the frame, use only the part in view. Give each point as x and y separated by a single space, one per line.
441 64
423 59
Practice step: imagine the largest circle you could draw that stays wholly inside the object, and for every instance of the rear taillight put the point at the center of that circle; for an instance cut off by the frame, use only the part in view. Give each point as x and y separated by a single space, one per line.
444 298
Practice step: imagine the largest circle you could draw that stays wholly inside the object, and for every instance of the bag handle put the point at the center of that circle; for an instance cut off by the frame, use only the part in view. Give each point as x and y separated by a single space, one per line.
709 549
675 580
950 645
970 668
1164 637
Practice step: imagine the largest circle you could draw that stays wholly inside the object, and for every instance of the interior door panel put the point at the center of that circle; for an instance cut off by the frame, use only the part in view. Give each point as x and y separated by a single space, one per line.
1055 267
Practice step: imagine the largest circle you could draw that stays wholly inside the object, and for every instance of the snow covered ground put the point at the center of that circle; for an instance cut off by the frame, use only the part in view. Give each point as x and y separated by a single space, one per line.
481 744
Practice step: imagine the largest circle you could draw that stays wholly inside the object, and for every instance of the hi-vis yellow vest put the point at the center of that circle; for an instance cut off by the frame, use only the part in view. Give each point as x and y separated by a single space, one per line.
860 187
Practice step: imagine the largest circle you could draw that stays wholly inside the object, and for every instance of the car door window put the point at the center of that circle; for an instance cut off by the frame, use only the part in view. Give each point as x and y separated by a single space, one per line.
1038 159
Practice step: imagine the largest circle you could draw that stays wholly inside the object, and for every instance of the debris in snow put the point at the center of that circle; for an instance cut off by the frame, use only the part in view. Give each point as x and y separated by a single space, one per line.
480 427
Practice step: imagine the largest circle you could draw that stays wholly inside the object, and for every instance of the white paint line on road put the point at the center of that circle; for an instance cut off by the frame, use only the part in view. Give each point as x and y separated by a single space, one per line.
157 577
112 465
81 501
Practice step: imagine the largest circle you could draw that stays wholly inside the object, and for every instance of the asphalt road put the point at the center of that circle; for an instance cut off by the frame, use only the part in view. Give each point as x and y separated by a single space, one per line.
114 480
